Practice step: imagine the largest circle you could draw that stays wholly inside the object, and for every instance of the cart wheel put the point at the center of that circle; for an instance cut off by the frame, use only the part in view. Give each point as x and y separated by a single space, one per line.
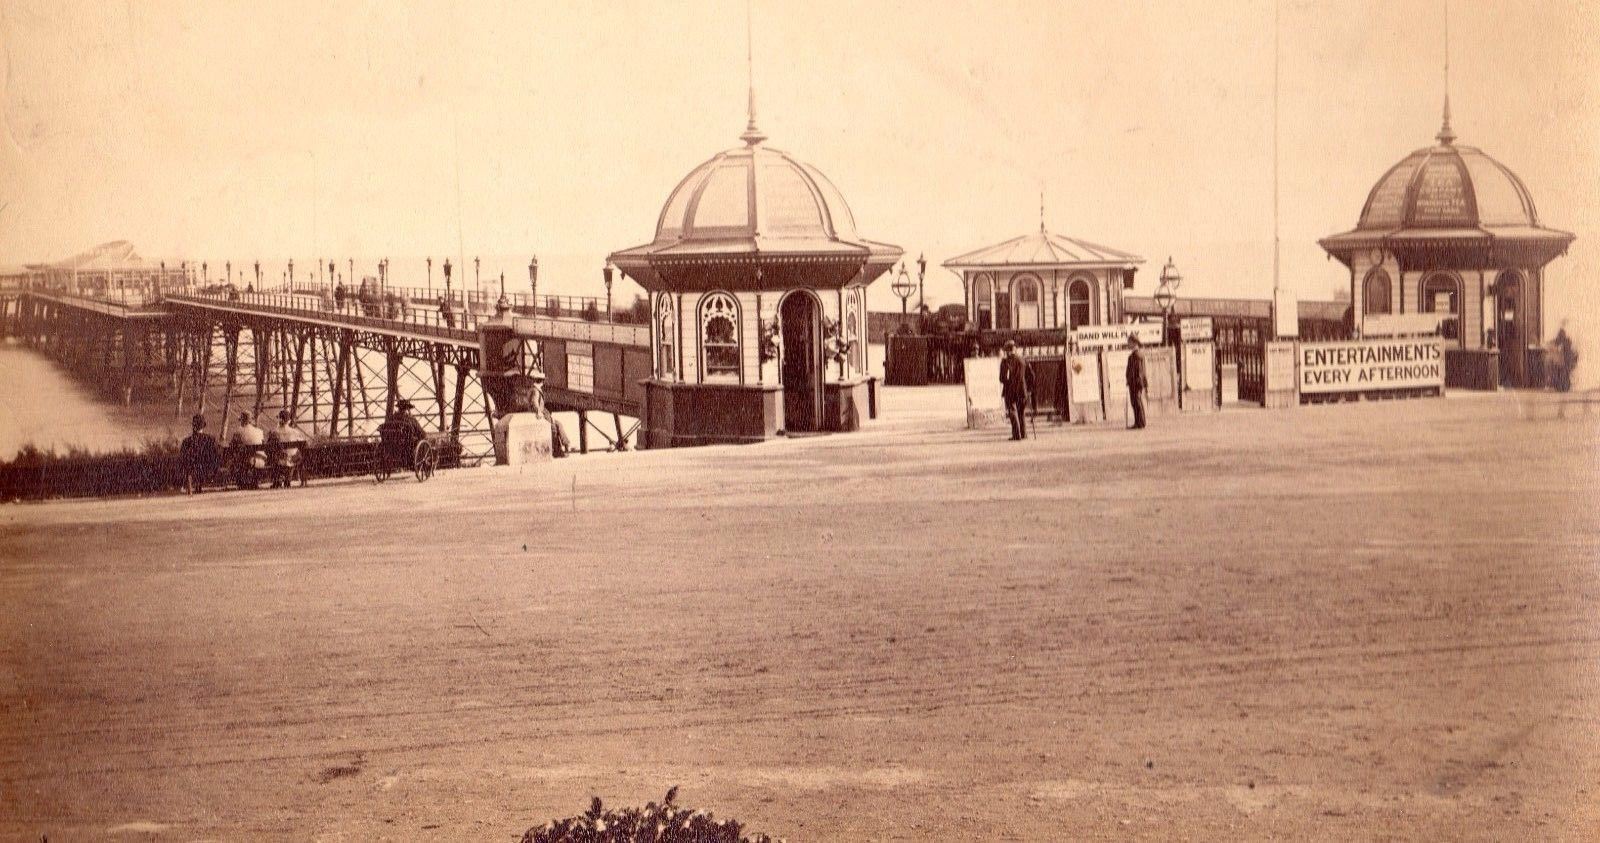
380 467
423 460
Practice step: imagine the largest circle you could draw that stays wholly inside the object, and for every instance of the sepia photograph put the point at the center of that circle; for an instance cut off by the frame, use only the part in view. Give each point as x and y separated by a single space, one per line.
742 421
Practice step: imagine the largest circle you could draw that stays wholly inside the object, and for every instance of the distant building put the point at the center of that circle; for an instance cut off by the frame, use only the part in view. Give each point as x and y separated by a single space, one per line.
1453 232
109 268
1044 280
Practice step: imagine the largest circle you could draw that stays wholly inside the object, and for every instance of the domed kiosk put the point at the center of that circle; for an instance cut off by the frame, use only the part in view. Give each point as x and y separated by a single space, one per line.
1451 231
757 282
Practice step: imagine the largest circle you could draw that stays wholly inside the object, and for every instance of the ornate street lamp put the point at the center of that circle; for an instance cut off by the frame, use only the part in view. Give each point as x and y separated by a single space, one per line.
477 279
502 304
1167 295
902 288
331 272
258 275
430 278
291 275
607 273
447 280
383 275
205 273
228 265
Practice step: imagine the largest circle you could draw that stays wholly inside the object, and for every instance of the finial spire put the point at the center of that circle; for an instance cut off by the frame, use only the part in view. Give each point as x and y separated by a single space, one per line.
752 135
1446 135
1041 209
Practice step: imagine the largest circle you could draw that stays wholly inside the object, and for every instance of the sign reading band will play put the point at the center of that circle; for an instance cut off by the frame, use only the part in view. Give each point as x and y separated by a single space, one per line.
1370 365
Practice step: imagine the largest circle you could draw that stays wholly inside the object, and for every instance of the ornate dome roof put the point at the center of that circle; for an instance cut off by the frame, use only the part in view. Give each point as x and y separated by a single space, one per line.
754 217
1448 186
1449 202
755 192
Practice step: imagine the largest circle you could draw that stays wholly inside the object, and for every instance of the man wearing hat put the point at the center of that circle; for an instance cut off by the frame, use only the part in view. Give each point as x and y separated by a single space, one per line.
1016 384
401 431
199 456
1136 382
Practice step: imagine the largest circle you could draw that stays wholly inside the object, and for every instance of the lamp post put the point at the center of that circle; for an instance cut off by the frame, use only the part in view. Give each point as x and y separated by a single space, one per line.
330 275
447 280
228 265
607 273
430 278
533 282
383 274
291 275
477 279
205 274
1167 295
502 304
902 288
258 275
922 275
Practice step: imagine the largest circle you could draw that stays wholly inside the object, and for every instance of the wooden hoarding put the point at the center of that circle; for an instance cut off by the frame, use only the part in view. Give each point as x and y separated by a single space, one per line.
1370 365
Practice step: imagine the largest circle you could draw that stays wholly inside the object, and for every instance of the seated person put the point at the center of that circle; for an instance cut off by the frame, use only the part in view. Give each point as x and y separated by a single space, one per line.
250 458
288 451
200 456
401 432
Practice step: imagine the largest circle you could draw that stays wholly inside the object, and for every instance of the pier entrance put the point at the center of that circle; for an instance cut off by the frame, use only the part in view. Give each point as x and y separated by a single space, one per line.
801 324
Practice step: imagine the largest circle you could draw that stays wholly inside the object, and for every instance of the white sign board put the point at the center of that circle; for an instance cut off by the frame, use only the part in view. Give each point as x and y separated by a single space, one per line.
1400 324
1085 380
1115 336
1195 328
1199 366
1367 365
985 405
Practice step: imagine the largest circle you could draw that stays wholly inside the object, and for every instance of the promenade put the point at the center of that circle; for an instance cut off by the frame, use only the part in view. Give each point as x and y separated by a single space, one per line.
1333 622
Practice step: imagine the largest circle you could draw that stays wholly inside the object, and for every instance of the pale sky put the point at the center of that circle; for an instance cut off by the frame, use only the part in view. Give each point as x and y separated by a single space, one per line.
243 131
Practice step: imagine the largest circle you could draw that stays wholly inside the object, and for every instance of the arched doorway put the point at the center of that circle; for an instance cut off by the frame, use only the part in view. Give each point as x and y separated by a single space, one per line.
1508 330
800 321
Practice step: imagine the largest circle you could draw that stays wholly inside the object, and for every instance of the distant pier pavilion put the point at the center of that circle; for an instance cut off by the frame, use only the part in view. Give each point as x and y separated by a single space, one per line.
1453 233
757 282
1044 280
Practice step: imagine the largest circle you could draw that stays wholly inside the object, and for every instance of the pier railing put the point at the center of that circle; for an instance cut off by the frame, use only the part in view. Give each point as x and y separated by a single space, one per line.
459 326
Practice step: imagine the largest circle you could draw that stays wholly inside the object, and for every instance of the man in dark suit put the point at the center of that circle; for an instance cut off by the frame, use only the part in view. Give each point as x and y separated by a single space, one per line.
1016 384
1136 382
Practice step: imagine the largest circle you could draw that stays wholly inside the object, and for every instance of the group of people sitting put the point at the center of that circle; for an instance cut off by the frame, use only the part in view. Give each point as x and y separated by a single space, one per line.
256 454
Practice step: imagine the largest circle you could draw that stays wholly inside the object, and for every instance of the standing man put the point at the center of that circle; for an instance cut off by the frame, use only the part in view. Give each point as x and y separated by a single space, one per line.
1136 382
1016 384
200 456
446 312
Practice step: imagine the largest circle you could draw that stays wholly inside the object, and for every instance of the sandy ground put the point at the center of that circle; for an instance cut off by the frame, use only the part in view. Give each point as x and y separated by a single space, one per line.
1372 621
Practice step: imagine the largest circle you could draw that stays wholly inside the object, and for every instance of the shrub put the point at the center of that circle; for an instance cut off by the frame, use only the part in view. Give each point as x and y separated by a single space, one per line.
662 823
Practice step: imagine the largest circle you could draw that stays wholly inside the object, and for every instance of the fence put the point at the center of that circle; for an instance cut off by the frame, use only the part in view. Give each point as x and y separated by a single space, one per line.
41 476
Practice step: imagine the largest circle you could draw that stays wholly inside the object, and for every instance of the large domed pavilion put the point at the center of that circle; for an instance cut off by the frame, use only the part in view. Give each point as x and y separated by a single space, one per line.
1451 231
757 282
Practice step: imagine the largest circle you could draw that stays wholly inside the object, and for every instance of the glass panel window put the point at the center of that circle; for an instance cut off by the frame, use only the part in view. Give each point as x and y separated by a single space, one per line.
1078 304
1376 294
667 337
719 337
